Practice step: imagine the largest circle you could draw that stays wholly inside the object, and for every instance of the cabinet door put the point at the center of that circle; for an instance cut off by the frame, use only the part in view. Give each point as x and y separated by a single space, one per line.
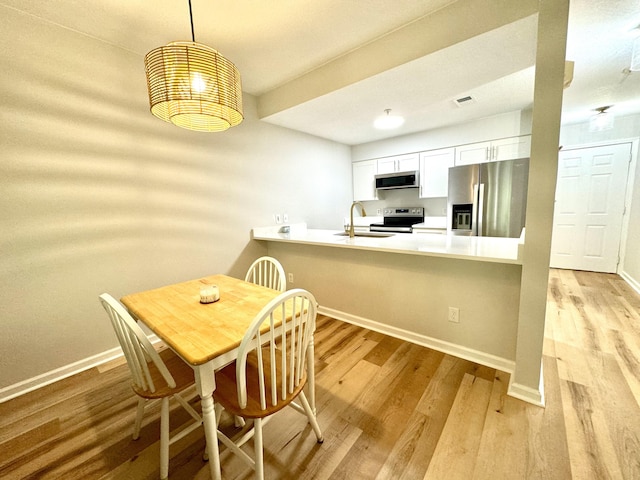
399 163
405 163
434 172
364 183
386 165
473 153
511 148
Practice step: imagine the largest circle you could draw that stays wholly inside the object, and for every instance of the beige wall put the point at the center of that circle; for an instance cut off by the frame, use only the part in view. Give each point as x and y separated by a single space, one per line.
631 259
413 293
99 195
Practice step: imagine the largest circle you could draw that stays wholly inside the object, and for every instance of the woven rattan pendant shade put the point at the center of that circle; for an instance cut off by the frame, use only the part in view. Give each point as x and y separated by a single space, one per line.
194 87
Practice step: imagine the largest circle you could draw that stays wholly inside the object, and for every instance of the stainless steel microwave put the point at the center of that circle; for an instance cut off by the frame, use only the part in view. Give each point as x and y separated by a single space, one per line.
390 181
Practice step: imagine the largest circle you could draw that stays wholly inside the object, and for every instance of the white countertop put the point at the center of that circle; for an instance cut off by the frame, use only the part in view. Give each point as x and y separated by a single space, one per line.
432 223
484 249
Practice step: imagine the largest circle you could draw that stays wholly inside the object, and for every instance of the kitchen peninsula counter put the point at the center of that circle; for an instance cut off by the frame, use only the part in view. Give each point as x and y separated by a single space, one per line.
483 249
405 286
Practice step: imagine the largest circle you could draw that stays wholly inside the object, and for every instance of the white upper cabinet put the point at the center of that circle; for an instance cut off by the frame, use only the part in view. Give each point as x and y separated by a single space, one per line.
473 153
434 172
399 163
511 148
493 151
364 182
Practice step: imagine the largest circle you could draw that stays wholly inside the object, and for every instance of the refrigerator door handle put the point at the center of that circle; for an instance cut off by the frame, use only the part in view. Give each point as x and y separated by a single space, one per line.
480 210
474 211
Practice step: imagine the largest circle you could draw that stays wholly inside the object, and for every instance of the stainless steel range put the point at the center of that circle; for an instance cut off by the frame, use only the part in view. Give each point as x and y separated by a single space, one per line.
399 219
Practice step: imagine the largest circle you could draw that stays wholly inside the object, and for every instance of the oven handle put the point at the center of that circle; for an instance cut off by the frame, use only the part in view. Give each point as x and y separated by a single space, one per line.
390 229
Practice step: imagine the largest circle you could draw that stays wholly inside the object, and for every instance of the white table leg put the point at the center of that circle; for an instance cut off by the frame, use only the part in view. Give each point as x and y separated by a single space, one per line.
206 384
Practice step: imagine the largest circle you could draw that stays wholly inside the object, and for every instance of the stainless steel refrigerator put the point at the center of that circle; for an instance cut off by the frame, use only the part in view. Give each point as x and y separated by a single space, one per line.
488 199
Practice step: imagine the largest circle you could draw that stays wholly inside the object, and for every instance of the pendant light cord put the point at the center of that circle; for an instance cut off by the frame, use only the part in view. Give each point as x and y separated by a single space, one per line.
193 36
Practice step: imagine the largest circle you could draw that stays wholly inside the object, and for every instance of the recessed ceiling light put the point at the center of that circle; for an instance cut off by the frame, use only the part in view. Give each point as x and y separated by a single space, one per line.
387 121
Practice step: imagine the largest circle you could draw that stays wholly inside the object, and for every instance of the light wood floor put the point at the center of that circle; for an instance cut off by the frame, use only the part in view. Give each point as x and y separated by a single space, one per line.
389 410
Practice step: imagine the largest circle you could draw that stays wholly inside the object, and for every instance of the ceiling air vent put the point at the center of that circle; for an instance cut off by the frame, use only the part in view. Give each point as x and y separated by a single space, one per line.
462 101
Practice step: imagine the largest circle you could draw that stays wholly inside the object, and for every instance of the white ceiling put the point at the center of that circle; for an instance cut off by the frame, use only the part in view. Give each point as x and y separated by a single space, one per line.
276 44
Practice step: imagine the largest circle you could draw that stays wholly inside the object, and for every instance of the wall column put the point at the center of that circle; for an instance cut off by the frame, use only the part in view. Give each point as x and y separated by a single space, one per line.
547 106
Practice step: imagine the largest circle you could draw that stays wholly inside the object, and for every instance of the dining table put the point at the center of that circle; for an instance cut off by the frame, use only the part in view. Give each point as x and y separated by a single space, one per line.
206 335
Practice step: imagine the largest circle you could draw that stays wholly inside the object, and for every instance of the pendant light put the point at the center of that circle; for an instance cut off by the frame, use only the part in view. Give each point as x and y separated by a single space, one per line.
387 121
193 86
601 121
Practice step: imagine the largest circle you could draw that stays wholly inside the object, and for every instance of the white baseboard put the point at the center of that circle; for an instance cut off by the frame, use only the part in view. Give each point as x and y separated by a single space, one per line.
521 392
31 384
528 394
633 283
470 354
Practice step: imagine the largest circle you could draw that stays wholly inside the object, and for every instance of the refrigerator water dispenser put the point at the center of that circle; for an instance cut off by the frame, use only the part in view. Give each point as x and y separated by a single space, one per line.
462 216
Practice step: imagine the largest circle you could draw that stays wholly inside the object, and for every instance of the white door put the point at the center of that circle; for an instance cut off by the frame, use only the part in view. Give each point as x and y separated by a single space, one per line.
590 196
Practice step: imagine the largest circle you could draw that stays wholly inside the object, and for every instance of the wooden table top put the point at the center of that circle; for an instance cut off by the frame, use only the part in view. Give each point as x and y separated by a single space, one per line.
200 332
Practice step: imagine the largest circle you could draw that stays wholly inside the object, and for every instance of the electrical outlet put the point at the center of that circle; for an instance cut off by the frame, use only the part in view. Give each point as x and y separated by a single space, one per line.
454 314
285 217
379 212
291 278
277 218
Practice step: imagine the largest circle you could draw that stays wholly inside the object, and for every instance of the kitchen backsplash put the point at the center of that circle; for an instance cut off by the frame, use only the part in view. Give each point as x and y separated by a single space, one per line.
433 207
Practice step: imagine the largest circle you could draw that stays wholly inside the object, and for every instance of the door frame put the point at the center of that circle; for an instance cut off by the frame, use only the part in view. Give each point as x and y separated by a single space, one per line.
631 174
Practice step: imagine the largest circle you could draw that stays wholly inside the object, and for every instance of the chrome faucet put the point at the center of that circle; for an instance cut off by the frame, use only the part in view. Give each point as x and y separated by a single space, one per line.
364 214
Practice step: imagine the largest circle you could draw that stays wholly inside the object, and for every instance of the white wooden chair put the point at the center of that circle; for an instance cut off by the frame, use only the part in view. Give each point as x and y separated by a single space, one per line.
155 376
268 272
270 371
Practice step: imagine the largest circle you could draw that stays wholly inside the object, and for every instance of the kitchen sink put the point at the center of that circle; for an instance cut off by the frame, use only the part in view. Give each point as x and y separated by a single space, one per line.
366 234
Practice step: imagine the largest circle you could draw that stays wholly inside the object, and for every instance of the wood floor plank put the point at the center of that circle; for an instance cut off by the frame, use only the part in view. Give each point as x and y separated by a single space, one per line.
506 430
621 415
412 452
548 453
386 407
627 356
385 348
437 399
590 449
339 439
460 439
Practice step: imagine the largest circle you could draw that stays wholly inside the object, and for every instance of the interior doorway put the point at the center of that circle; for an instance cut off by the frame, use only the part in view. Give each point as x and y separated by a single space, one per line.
589 207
